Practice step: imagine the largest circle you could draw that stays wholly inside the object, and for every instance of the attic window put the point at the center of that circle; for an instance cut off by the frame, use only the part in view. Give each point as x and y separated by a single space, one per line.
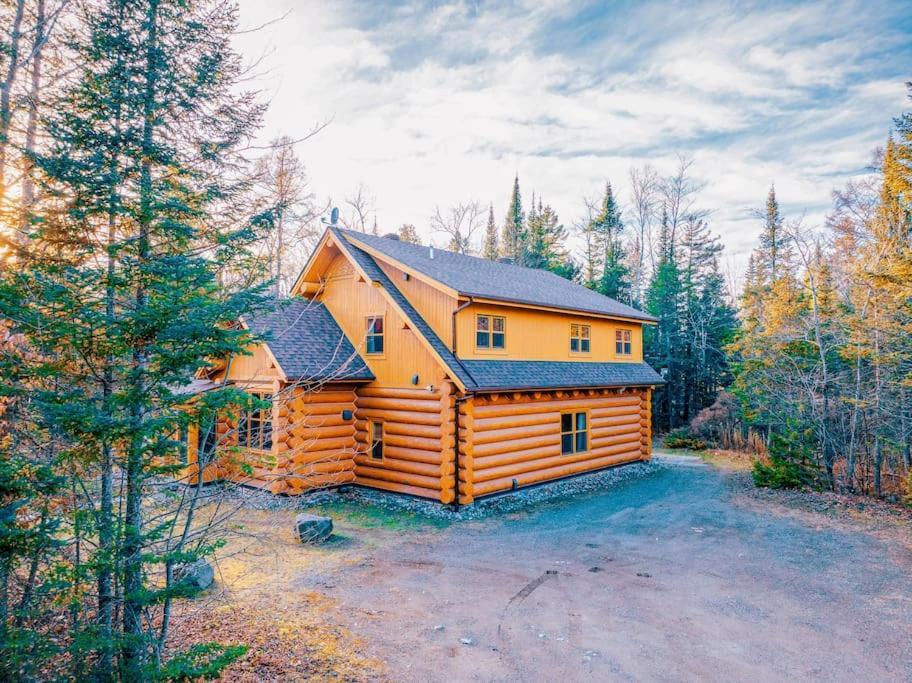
622 343
374 339
490 332
580 341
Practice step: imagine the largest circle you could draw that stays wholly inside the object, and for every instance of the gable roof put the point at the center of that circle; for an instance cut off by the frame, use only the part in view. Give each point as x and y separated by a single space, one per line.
485 279
308 343
366 262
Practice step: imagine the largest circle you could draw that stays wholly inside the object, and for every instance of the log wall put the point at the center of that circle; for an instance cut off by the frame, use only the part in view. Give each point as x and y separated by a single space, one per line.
418 436
314 444
517 437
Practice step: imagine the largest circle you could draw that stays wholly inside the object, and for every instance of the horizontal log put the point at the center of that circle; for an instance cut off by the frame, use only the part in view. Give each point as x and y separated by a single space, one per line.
428 482
433 445
393 392
324 396
317 481
319 456
403 429
597 413
598 432
307 421
631 441
515 445
495 435
338 443
410 466
402 416
529 459
300 409
426 406
420 491
514 421
305 469
552 406
323 432
540 475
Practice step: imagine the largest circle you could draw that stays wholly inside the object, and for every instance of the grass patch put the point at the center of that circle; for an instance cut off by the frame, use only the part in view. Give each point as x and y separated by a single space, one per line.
731 460
364 515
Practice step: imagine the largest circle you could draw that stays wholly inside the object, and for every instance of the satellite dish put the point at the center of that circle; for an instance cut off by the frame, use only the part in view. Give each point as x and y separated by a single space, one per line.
334 215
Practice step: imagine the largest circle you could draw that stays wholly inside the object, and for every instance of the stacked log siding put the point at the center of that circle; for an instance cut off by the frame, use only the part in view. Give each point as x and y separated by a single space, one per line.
516 439
314 440
418 437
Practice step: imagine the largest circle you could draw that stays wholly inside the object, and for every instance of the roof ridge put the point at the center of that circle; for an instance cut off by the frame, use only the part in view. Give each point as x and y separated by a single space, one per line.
496 280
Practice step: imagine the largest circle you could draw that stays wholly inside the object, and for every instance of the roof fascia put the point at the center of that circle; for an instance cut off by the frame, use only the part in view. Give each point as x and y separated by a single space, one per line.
389 260
311 261
552 309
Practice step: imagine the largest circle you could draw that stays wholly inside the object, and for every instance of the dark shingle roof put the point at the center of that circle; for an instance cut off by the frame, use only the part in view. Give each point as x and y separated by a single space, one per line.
375 273
534 374
308 343
482 278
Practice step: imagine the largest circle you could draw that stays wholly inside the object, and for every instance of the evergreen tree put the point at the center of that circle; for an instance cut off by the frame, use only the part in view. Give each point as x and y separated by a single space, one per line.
491 248
545 239
126 288
513 237
614 280
773 256
663 342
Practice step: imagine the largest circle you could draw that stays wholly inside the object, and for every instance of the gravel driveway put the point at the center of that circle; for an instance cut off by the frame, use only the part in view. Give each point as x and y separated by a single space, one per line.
667 577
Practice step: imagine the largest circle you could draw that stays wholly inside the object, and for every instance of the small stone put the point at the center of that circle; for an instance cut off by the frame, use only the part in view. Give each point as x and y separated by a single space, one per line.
439 627
199 574
313 529
466 641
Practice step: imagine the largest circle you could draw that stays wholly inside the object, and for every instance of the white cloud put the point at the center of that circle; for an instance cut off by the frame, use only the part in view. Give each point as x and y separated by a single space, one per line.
432 105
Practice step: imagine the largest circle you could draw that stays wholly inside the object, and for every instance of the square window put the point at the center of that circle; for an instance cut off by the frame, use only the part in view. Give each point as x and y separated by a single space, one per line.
574 432
482 339
499 340
490 332
498 325
579 338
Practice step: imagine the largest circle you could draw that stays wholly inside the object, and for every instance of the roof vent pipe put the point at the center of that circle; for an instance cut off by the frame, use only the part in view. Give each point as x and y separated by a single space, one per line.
431 254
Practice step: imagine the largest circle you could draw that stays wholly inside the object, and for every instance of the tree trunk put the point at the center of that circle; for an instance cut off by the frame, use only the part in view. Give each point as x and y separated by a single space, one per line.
135 647
6 88
31 128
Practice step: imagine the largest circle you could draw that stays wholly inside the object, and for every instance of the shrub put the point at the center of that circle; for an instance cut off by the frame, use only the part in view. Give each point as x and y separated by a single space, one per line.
790 464
682 438
907 499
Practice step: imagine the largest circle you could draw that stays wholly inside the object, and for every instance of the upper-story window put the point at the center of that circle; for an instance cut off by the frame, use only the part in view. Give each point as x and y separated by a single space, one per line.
490 332
622 342
580 338
374 339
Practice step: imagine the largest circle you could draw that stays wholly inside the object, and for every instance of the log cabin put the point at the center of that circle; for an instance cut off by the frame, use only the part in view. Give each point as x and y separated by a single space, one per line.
419 371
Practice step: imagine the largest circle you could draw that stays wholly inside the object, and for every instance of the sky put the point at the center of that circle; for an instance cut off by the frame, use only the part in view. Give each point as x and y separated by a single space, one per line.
434 103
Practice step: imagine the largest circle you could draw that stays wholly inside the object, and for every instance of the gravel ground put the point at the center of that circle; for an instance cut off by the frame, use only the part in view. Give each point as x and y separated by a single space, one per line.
256 499
678 574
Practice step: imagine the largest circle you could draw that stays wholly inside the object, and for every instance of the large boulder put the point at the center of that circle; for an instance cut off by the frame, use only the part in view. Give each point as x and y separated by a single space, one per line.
198 575
313 528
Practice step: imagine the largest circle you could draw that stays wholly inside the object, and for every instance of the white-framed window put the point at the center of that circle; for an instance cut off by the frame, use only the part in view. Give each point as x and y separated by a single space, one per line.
490 332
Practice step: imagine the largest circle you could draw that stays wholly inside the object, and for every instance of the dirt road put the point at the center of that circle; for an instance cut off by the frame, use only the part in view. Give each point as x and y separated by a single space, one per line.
666 578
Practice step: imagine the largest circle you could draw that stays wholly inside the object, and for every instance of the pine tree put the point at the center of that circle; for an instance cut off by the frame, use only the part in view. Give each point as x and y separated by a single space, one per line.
663 342
608 226
127 289
773 256
491 248
513 235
